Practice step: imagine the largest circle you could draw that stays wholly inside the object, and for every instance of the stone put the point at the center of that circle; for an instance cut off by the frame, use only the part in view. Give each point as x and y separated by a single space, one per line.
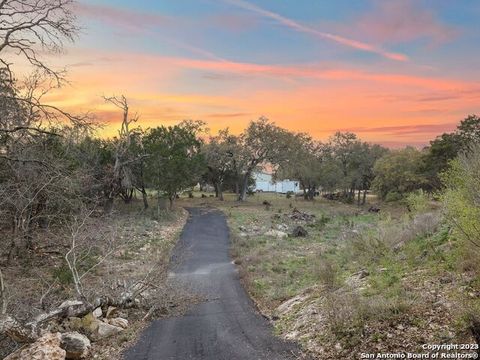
111 311
105 330
120 322
75 344
97 313
46 347
276 233
299 231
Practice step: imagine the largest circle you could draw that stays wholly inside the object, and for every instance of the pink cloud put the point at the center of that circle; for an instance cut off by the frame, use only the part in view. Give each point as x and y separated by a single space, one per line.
401 21
139 23
315 72
129 19
359 45
405 129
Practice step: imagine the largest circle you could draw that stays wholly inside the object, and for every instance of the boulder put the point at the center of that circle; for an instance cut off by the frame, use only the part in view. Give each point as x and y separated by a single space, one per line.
299 231
97 313
120 322
75 344
111 311
105 330
46 347
276 233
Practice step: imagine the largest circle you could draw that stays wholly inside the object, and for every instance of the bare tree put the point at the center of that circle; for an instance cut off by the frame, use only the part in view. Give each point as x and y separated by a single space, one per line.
29 27
128 153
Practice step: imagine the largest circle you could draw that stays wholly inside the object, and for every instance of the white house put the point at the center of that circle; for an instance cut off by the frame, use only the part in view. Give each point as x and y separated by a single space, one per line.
264 182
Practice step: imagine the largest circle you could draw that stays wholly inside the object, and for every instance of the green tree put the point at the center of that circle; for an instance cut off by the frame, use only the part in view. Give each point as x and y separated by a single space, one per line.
344 148
399 172
220 154
302 162
362 167
175 161
461 197
262 142
447 146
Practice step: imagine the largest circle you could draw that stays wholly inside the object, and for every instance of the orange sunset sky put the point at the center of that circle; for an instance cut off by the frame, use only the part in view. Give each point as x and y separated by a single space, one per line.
395 72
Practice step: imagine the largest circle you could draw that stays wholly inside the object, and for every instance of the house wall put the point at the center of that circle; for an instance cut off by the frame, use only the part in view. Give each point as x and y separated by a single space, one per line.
263 182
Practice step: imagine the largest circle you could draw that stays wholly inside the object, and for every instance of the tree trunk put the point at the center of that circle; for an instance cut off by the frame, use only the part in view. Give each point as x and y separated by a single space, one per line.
215 186
144 198
243 191
237 187
364 200
358 197
220 192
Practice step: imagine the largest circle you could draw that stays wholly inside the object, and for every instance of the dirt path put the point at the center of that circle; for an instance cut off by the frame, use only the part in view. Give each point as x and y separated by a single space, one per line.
224 326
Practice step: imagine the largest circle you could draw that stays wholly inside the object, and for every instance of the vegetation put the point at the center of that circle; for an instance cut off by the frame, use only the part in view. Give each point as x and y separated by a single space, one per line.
174 159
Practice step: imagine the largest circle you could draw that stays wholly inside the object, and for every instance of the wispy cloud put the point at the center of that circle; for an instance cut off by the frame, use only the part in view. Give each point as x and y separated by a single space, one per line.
405 129
387 22
140 23
227 115
129 19
292 24
317 72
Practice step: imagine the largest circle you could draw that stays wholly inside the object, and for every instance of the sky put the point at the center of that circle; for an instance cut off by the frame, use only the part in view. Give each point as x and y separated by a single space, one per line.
395 72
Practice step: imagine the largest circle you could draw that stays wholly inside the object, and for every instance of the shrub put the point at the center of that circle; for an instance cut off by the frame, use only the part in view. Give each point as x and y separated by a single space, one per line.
461 199
393 196
417 202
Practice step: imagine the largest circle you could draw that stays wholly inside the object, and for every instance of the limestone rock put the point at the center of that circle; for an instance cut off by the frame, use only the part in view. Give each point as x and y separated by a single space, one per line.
119 322
111 311
105 330
97 313
75 344
46 347
276 233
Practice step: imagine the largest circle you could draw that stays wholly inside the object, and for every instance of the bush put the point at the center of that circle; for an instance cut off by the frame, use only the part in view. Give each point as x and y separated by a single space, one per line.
393 196
289 194
399 171
461 200
417 202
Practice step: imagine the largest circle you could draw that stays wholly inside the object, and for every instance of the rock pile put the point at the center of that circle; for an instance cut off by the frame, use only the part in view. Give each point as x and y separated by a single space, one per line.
298 215
299 231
